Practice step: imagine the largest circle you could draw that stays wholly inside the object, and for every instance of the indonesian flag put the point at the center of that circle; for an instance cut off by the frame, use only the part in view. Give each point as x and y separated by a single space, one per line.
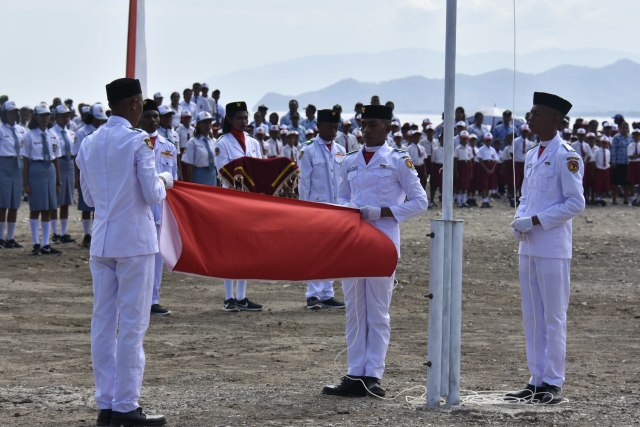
266 176
230 234
136 45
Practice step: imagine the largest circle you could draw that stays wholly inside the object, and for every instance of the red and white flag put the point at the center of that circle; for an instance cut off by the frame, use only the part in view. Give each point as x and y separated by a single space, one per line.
136 45
230 234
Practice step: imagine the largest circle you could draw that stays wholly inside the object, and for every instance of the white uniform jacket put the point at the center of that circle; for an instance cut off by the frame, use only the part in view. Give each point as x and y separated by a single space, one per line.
319 171
389 180
228 149
118 176
552 190
166 158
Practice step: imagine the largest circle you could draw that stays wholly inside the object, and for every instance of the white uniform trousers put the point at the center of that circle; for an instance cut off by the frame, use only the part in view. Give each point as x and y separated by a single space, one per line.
157 273
368 325
121 308
321 289
544 287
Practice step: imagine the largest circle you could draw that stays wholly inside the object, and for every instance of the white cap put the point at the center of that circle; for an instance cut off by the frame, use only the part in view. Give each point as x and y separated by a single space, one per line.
461 123
397 135
42 108
157 95
413 124
165 109
395 123
472 135
97 111
357 132
430 127
606 124
203 115
426 122
294 132
463 134
61 109
260 130
9 105
591 135
604 138
309 131
524 127
410 132
488 136
346 122
85 109
185 113
581 131
567 131
205 85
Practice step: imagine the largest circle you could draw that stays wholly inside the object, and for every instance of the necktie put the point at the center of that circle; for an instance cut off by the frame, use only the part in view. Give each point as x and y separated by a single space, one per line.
46 155
209 152
604 158
540 150
16 144
67 146
524 145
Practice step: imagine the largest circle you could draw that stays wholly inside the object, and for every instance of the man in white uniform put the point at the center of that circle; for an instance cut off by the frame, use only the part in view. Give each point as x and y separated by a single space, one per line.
319 163
118 177
166 160
551 197
384 185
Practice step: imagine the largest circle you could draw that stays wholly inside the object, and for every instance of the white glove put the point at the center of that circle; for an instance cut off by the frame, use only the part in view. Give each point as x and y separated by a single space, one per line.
167 178
370 213
518 235
523 225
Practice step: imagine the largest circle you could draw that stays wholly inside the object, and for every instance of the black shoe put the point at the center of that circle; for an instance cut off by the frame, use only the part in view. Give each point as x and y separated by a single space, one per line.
471 202
159 310
246 305
48 250
136 418
331 303
495 196
313 303
104 417
12 244
348 387
2 243
231 305
635 203
66 239
373 386
35 250
603 203
551 395
524 395
512 203
86 241
486 205
56 238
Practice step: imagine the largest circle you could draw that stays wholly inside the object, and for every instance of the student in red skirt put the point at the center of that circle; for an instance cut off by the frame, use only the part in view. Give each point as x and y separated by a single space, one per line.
435 174
474 189
463 169
633 170
589 169
488 160
602 177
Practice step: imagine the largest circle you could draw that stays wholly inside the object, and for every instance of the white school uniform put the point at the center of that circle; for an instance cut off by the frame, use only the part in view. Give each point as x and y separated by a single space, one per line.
552 190
388 180
118 177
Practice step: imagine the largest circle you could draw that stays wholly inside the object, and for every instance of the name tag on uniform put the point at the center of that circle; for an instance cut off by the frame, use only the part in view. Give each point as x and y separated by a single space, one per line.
166 154
351 169
547 163
383 165
340 154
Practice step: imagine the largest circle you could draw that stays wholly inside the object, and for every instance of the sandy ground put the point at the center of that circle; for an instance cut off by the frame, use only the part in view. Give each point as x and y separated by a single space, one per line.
206 367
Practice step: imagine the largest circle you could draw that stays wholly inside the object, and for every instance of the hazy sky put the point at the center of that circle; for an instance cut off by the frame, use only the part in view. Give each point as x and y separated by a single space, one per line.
72 48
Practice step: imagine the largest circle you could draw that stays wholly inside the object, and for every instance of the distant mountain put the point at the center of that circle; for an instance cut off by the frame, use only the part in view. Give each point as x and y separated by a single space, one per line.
308 73
610 89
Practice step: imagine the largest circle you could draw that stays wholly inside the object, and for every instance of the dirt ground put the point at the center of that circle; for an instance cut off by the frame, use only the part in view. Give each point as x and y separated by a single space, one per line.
206 367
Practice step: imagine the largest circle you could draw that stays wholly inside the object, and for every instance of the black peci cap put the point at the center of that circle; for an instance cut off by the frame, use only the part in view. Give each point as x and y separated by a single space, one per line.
149 105
552 101
233 107
120 89
328 116
381 112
